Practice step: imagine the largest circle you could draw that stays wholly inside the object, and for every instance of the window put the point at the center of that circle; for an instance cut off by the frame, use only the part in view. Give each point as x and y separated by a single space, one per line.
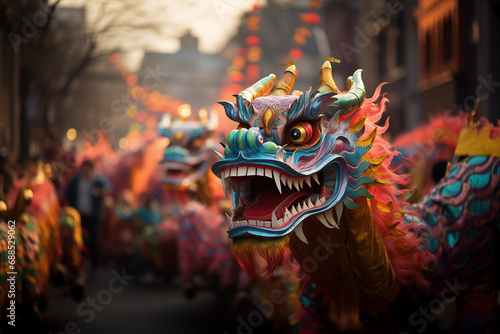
382 53
447 39
400 42
428 52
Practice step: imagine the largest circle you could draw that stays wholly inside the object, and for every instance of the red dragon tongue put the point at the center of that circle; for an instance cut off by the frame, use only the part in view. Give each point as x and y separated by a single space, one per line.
267 201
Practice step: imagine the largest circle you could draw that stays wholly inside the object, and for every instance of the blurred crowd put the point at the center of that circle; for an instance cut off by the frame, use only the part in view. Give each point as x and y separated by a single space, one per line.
101 208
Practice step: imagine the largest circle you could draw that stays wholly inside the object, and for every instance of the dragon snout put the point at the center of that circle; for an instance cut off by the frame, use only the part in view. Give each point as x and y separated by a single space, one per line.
244 140
249 142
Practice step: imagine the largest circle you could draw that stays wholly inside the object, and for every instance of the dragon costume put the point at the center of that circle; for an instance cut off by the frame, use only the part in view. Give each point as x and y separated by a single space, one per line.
202 245
311 171
47 245
428 148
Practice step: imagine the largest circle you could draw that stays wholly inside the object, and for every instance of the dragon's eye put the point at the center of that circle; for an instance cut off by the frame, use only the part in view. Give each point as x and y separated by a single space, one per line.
300 133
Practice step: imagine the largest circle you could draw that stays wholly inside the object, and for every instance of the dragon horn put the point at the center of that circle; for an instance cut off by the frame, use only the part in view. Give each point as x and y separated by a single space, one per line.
285 83
353 99
23 199
213 121
326 82
258 88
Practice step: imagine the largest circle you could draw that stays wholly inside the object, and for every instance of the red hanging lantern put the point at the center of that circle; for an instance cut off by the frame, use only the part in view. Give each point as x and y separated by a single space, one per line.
299 39
252 40
236 76
315 4
114 58
132 80
310 18
295 53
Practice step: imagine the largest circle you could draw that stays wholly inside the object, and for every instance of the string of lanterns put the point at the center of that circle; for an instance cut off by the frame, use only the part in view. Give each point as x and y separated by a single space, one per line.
144 106
244 68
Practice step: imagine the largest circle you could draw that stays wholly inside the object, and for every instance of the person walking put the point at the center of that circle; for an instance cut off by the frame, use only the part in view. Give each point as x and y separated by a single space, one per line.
86 193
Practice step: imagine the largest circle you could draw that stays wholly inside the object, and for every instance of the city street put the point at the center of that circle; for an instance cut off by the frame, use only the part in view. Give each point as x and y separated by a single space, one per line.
139 308
249 167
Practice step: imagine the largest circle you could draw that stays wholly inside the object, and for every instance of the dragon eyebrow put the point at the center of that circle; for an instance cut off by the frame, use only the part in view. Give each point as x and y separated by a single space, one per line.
308 106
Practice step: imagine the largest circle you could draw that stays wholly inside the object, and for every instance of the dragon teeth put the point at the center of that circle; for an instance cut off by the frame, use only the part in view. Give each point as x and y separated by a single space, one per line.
276 176
309 203
242 171
229 221
280 179
308 181
283 179
274 220
224 184
293 183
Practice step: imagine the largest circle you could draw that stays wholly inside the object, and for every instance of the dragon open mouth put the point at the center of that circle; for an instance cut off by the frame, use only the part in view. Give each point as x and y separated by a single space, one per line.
181 174
270 198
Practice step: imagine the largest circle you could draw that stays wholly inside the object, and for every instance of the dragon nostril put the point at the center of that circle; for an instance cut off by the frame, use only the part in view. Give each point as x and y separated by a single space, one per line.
258 137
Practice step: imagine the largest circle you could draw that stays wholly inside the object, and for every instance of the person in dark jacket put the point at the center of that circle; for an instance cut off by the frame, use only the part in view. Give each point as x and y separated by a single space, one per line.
86 192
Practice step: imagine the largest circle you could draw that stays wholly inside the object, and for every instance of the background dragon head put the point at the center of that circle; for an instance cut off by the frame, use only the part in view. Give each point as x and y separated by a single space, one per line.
187 158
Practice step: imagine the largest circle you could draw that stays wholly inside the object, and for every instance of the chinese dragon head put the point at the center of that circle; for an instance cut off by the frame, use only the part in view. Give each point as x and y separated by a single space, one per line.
311 171
187 159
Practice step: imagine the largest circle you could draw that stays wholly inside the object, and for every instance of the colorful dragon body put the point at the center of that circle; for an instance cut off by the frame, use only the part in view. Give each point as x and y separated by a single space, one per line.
202 244
428 149
460 221
31 276
311 172
47 245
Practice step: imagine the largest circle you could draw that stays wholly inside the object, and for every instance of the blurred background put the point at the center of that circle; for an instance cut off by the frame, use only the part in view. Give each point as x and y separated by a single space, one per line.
57 73
92 80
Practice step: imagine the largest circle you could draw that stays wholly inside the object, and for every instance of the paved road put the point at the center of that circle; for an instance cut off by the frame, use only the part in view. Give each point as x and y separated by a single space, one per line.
132 307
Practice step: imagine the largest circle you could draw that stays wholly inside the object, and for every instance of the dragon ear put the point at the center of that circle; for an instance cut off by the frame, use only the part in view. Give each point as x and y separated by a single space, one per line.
258 89
353 99
285 83
326 82
208 119
164 125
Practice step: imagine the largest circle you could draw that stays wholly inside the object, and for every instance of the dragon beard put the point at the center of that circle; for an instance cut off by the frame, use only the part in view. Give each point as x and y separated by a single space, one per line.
246 251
